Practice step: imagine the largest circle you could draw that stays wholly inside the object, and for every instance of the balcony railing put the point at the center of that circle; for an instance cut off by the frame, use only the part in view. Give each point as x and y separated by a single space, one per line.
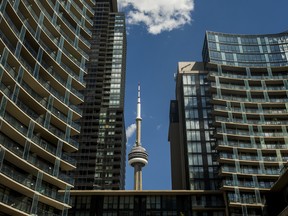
16 202
250 145
253 111
237 76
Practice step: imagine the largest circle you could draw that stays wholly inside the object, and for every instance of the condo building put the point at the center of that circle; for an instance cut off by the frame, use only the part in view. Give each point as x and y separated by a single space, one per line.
246 104
102 153
43 51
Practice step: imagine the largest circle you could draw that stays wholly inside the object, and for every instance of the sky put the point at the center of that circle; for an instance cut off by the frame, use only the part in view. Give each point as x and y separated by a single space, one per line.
161 33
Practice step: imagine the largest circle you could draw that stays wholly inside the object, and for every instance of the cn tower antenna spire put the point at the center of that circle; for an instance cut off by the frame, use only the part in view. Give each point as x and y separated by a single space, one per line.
138 156
138 119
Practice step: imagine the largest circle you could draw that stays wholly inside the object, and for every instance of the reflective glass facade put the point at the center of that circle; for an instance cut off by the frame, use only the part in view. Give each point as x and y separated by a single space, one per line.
102 153
246 50
43 51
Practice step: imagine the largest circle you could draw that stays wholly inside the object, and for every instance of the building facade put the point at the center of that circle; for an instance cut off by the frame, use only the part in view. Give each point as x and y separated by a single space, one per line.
247 79
102 153
43 46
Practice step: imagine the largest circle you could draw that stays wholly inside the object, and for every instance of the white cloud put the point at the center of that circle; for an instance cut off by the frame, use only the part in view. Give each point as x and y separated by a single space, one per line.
130 130
158 127
158 15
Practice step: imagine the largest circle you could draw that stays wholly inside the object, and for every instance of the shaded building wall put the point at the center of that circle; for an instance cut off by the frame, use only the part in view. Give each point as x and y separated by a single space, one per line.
102 152
195 163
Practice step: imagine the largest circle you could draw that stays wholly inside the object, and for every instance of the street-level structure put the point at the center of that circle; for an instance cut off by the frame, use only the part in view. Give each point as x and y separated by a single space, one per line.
147 202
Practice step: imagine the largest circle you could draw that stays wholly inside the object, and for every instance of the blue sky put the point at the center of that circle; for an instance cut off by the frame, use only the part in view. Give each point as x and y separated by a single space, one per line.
155 45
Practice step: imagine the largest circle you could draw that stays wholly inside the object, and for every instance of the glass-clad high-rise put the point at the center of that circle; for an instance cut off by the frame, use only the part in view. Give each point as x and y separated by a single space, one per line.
102 153
43 52
247 77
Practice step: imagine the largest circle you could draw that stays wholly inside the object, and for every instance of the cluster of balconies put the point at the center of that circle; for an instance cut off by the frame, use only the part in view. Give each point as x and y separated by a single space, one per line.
43 47
250 113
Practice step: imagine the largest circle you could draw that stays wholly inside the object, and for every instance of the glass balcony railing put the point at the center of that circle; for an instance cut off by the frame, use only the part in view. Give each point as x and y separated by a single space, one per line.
72 73
249 157
246 200
16 202
251 88
76 19
30 9
7 42
247 184
75 60
267 171
88 6
247 133
254 111
47 168
61 31
64 118
18 177
252 100
250 145
249 121
81 12
11 24
29 111
45 145
237 76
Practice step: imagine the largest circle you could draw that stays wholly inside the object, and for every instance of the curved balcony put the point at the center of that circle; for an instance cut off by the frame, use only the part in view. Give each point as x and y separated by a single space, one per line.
51 132
243 134
217 99
252 89
247 184
249 147
267 173
241 123
76 19
226 158
245 201
239 78
51 27
33 96
26 185
28 67
80 11
271 111
34 165
13 205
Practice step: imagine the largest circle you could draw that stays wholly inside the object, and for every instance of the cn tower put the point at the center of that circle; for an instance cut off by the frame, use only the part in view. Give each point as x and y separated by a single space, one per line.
138 156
